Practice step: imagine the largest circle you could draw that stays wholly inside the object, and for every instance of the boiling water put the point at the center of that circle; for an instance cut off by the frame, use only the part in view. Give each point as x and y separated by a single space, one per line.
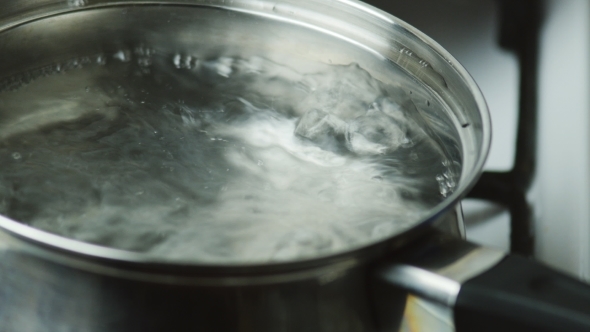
224 160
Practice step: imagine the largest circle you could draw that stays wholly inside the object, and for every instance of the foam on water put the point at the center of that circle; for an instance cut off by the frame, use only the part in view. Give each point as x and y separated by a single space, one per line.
224 160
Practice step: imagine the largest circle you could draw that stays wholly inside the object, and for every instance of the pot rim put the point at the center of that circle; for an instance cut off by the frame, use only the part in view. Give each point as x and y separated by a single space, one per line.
80 250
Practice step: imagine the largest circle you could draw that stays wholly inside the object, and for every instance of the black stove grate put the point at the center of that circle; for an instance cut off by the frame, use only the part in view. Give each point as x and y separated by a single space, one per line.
519 33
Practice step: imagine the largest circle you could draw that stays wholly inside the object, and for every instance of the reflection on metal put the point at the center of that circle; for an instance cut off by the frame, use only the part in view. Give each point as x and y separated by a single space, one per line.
422 315
453 223
424 283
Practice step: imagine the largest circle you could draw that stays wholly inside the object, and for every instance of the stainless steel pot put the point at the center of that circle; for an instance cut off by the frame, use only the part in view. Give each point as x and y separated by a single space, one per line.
416 280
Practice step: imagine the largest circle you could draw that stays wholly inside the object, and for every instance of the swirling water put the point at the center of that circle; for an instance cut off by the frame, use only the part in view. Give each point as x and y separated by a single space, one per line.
220 160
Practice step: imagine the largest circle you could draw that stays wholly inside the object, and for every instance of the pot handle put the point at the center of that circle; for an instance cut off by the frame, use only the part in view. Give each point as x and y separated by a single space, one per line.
486 289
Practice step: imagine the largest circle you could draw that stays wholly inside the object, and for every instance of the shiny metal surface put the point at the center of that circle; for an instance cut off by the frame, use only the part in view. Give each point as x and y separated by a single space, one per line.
424 283
38 294
51 284
424 315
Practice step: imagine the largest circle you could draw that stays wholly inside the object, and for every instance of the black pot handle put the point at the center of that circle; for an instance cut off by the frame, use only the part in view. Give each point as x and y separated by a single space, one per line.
484 289
519 294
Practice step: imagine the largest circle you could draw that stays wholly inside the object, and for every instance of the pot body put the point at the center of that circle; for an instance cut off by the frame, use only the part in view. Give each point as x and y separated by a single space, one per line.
44 291
52 284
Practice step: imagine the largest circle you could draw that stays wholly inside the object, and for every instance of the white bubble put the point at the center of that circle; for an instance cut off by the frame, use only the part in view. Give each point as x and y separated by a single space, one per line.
77 3
123 55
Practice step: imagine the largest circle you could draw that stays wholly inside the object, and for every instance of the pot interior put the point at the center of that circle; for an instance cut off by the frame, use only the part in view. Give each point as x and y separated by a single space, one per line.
231 133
